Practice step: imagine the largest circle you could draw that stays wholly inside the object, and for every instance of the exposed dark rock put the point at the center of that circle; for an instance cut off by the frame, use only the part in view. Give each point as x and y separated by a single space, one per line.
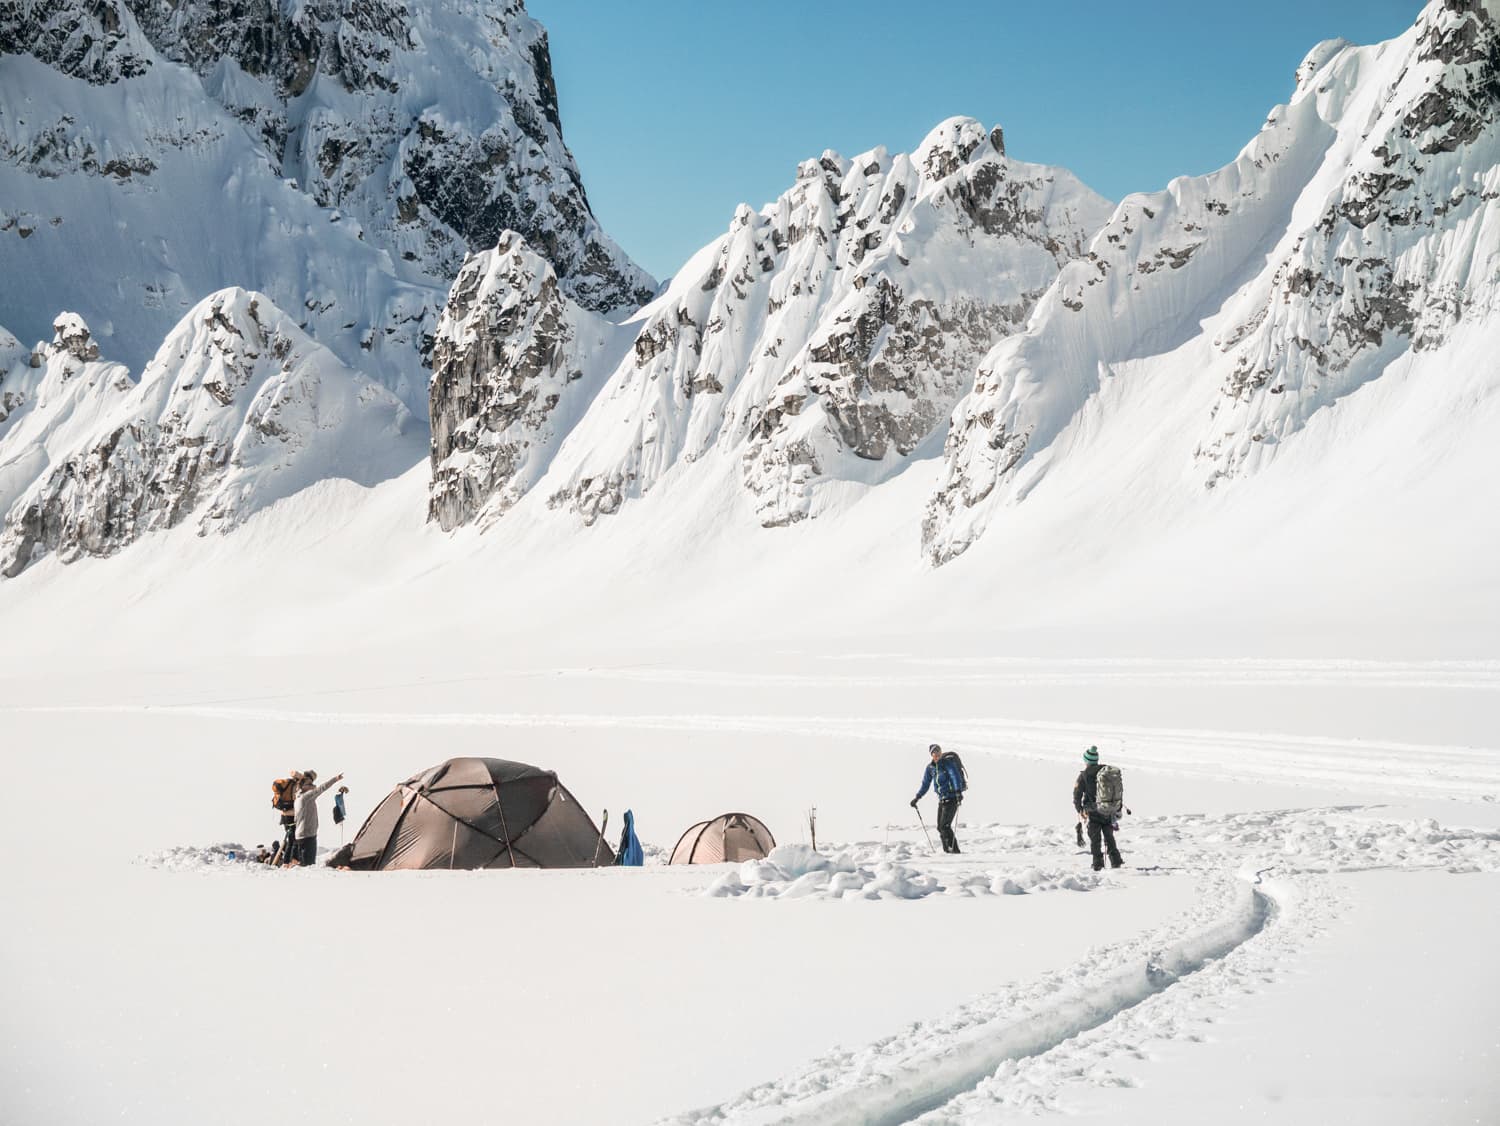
95 40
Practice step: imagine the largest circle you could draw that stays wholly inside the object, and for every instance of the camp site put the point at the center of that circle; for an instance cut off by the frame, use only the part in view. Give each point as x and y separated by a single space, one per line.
771 563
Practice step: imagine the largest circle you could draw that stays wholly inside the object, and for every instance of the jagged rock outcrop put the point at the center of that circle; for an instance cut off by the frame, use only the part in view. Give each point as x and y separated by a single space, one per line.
508 379
51 399
827 335
239 408
1358 227
95 41
341 156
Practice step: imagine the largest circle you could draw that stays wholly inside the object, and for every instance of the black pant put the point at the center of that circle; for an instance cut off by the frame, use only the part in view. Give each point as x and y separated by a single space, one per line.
1103 825
947 811
307 851
288 842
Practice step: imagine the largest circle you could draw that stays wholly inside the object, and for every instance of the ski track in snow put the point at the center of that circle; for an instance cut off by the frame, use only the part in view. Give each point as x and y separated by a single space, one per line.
1264 896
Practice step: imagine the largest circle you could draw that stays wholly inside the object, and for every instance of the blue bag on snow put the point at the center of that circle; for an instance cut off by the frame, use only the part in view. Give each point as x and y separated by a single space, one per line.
630 854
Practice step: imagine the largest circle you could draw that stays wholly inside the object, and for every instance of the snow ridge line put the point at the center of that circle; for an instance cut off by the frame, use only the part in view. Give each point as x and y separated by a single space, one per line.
1460 773
878 728
1481 676
927 1066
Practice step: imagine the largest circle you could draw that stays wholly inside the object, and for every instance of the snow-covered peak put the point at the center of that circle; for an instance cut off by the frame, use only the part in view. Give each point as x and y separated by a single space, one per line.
72 336
1314 61
949 146
824 336
239 408
1356 228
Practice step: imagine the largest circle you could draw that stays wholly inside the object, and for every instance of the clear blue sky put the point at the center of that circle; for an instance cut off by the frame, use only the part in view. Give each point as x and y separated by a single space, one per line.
677 110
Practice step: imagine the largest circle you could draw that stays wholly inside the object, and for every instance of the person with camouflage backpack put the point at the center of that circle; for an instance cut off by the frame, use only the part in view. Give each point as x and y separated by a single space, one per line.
1098 797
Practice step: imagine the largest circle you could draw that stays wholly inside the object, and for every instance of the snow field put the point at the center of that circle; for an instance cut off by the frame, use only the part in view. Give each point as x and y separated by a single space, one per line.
1031 1049
153 966
154 989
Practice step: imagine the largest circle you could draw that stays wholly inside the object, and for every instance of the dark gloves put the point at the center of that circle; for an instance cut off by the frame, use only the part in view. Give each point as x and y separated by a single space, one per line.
914 803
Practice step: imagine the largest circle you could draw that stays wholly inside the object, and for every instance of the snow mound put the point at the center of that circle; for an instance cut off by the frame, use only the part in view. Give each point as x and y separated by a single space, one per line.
202 858
798 872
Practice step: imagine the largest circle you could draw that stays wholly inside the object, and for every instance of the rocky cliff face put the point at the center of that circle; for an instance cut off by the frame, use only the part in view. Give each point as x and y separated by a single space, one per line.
1401 251
1358 227
509 377
239 408
824 337
97 42
435 124
341 156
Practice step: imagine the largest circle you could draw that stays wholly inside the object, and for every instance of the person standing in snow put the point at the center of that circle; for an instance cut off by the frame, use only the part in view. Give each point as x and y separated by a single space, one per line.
945 775
1085 794
285 801
306 851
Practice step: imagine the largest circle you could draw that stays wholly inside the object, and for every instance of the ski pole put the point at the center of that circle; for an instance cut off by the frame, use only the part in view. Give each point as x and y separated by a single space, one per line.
603 825
923 822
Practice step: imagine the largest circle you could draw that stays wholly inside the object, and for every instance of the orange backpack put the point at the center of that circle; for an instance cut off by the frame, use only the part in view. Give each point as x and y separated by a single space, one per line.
284 794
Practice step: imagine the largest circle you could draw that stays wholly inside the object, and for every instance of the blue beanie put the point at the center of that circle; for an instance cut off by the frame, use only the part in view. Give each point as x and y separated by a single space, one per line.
1091 755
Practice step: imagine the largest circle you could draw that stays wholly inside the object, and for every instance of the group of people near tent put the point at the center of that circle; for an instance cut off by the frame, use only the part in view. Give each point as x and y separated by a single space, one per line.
295 799
487 813
470 813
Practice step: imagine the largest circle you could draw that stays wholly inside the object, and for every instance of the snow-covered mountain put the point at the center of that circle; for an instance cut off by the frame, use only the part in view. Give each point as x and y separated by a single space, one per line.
514 364
238 409
824 337
992 322
341 156
1350 237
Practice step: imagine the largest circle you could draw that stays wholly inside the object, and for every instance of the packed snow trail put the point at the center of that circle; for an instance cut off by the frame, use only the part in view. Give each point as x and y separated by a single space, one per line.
1265 896
901 1078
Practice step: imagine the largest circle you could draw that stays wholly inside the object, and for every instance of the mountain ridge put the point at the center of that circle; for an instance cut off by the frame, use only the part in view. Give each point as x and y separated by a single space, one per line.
992 323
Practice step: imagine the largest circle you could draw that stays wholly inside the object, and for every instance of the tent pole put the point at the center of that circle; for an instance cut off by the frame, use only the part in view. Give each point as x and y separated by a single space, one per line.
504 828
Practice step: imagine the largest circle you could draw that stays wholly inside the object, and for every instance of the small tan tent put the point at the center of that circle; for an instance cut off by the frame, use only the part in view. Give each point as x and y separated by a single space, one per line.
480 813
730 836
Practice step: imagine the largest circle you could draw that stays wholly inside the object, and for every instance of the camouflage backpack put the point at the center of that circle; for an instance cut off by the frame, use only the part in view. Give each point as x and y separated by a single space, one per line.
1109 792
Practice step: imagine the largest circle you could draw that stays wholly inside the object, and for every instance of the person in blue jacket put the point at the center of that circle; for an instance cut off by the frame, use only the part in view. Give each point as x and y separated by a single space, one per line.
945 775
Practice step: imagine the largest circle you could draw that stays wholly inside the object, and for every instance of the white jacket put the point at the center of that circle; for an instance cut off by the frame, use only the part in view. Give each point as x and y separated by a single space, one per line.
306 809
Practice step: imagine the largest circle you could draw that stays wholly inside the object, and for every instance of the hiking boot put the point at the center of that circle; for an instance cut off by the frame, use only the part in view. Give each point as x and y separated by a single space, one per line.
1117 863
1099 867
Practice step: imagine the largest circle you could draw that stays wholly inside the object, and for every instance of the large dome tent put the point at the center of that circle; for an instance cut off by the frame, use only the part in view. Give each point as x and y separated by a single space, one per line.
479 813
727 837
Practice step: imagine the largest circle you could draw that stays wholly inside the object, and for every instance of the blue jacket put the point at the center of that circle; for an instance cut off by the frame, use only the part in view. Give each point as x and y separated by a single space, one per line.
945 777
630 854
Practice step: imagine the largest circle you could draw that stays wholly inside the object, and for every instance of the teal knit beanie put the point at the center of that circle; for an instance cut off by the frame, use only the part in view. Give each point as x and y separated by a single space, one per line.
1091 755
